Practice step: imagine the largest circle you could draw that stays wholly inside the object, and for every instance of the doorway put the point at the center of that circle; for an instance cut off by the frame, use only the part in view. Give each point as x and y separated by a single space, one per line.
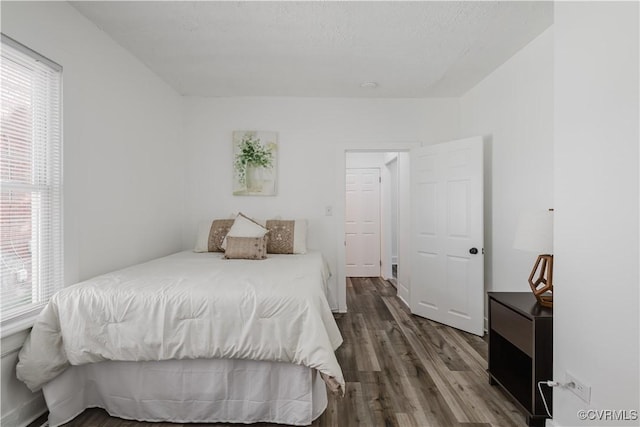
455 157
375 242
403 237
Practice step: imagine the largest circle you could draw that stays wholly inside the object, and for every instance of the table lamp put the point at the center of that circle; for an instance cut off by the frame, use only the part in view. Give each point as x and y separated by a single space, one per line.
535 234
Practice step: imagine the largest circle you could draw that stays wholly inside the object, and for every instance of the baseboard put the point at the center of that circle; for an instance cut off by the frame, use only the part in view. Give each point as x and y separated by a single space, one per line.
549 423
402 299
26 414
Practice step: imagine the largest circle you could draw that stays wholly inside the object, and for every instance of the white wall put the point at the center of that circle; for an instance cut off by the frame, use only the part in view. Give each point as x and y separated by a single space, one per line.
513 109
404 224
123 166
392 166
313 135
596 199
362 160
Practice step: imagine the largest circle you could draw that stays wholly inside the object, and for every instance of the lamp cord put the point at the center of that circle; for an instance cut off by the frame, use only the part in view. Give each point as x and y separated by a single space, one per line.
550 384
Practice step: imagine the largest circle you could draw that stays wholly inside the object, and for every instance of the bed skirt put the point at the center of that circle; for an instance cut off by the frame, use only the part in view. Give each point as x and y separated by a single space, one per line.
182 391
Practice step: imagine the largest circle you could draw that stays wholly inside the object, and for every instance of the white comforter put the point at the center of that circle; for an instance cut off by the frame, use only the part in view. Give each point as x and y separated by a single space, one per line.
189 306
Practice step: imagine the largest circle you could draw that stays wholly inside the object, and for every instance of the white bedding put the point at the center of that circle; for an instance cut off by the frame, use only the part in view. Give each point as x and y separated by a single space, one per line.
189 391
189 306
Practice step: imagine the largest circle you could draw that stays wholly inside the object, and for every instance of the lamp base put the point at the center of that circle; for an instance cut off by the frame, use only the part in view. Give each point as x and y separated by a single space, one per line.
545 300
541 280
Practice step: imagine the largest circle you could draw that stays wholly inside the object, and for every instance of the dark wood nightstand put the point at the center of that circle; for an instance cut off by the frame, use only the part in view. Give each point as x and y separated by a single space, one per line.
521 350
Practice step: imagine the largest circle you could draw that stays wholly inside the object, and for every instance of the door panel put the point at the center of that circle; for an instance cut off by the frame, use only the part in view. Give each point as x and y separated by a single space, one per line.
362 223
447 281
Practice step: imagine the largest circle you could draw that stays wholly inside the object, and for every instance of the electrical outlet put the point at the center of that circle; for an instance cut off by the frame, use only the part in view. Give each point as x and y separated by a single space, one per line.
578 388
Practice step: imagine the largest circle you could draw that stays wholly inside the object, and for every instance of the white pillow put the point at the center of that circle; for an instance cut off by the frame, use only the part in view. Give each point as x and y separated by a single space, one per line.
244 226
202 238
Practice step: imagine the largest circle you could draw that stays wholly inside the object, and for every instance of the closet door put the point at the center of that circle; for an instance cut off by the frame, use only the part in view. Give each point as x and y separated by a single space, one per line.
362 223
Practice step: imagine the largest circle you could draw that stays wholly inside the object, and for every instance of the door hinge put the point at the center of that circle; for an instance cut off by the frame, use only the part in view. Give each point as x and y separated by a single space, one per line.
380 179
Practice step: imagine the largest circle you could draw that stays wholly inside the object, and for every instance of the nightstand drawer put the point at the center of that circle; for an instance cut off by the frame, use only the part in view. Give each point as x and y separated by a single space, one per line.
516 328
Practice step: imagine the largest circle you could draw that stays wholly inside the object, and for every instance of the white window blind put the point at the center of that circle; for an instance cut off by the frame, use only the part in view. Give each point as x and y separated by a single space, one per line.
31 184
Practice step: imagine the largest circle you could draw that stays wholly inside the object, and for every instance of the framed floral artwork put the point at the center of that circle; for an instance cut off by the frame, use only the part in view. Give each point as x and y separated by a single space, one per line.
255 161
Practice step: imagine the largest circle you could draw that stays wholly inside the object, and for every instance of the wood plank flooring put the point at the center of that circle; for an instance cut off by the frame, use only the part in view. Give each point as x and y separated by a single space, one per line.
401 370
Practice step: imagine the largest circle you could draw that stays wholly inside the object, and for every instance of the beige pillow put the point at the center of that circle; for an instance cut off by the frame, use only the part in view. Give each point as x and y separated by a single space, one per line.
287 236
246 247
219 229
210 235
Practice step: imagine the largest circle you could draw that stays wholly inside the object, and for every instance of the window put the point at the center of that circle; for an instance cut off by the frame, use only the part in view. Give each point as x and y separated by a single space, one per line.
31 181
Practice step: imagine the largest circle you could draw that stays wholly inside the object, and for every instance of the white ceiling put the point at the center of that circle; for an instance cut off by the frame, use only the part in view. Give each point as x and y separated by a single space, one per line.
326 49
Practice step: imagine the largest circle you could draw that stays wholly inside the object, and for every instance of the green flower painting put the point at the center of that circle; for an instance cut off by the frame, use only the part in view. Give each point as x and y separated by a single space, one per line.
254 163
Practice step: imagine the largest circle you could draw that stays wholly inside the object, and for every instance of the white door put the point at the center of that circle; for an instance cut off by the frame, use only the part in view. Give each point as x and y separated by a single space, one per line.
447 265
362 223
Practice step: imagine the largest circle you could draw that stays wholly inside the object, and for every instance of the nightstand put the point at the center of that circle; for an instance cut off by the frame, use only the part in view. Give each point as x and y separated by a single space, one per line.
521 350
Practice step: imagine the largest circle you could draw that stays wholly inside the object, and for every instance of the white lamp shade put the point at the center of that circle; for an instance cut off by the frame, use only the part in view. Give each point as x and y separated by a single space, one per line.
535 232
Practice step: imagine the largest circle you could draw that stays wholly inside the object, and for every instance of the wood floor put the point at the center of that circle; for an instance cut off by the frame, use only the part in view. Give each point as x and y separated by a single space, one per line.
401 370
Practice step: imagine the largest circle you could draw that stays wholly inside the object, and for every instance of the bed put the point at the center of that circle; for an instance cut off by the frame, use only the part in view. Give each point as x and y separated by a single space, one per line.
191 337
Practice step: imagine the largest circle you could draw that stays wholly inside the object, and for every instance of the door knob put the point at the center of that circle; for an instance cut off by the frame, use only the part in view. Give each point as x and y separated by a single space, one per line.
473 251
